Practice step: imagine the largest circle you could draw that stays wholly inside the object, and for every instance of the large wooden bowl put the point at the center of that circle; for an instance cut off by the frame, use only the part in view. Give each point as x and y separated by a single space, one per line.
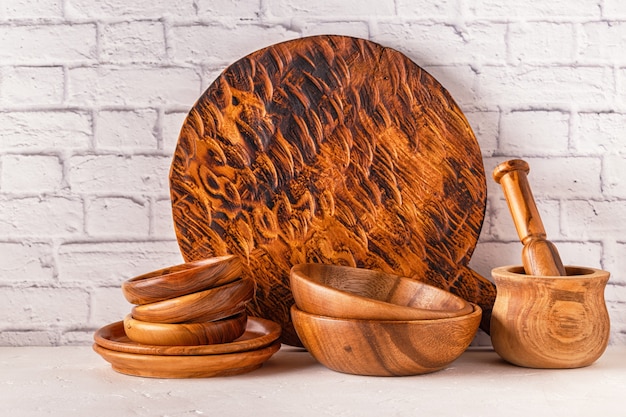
182 279
385 348
333 150
208 305
358 293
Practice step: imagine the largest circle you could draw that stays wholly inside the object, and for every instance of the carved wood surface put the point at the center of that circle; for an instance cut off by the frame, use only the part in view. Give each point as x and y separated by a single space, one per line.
334 150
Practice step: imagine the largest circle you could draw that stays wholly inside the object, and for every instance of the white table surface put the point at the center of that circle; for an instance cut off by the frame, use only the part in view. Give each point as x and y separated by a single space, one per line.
75 381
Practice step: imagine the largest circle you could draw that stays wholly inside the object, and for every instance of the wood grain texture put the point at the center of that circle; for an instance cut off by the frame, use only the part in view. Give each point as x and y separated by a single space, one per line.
186 334
334 150
385 348
189 366
550 322
182 279
358 293
259 333
208 305
539 255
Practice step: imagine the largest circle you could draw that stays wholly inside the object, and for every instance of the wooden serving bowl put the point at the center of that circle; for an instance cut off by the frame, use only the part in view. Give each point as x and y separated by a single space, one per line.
186 334
212 304
385 348
357 293
550 321
182 279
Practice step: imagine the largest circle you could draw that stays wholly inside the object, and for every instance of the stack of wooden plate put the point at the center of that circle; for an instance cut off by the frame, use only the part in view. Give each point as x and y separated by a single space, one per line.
189 320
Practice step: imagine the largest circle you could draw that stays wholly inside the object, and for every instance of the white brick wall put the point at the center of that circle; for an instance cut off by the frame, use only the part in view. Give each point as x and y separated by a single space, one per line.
93 94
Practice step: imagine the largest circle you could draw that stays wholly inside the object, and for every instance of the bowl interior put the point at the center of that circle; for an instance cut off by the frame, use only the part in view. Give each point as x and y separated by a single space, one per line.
375 285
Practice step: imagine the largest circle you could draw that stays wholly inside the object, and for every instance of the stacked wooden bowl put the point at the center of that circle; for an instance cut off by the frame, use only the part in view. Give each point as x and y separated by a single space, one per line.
189 320
364 322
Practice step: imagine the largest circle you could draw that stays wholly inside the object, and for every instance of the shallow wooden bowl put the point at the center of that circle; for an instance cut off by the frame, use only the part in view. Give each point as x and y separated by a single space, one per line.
385 348
212 304
182 279
187 366
259 333
358 293
186 334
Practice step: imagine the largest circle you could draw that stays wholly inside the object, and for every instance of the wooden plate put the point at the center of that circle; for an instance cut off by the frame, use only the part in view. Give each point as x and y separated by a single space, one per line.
187 366
334 150
259 333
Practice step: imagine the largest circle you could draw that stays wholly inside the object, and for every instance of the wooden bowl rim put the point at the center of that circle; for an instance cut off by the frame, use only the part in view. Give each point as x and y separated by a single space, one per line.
477 311
219 331
140 289
411 313
196 306
516 272
259 332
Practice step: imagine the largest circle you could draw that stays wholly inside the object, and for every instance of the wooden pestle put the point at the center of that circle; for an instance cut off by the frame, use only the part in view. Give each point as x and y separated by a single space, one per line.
539 256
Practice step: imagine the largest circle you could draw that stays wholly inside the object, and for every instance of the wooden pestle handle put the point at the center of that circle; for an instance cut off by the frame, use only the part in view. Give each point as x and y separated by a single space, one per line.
540 256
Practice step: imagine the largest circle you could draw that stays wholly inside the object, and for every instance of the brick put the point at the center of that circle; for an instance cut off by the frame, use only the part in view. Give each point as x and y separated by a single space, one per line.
111 85
485 126
582 253
615 293
551 87
163 222
108 305
116 216
119 174
242 9
599 133
613 176
31 9
419 9
442 44
483 259
170 130
458 81
31 85
139 8
535 8
567 178
315 27
48 44
31 173
26 262
305 8
29 338
126 129
111 263
77 338
41 130
45 216
614 8
541 42
602 42
534 133
614 260
621 84
133 42
42 307
200 44
592 220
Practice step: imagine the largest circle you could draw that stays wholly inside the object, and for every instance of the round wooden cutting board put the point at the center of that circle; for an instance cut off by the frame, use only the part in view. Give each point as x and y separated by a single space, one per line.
335 150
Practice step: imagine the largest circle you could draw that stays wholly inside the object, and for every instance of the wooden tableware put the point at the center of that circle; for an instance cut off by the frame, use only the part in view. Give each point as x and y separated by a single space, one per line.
550 322
259 333
186 334
208 305
539 255
358 293
182 279
385 348
333 150
188 366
